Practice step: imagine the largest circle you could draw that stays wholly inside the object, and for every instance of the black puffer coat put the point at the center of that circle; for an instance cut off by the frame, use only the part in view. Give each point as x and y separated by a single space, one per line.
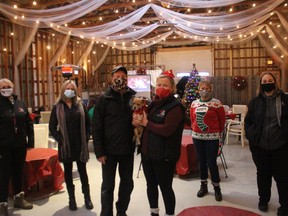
112 128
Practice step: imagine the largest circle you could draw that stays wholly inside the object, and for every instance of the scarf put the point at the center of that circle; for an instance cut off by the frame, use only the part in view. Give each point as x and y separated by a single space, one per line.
66 150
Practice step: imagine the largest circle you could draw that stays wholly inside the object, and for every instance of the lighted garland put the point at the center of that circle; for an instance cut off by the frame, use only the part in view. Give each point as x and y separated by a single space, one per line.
239 83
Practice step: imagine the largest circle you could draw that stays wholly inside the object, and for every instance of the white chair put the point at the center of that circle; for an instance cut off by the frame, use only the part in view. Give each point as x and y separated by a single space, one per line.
226 108
41 135
45 116
236 127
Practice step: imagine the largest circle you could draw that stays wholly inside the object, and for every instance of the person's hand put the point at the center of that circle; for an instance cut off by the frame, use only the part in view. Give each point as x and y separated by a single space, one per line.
102 159
144 120
135 120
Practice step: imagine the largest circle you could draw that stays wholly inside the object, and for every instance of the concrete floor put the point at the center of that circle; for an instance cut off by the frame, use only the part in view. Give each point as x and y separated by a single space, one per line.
239 190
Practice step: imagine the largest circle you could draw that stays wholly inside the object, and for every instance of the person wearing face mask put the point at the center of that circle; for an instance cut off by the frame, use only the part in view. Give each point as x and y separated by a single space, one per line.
266 127
70 126
113 142
207 121
16 135
161 143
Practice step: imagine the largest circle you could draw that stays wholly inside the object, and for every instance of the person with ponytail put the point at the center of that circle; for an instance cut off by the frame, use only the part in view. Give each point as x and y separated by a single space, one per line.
70 126
161 143
266 127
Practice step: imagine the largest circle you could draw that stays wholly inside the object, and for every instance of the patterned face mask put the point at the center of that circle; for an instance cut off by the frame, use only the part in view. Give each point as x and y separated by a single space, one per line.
119 84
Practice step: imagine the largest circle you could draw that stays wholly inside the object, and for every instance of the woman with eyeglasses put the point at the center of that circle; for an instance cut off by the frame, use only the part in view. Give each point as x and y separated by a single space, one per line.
16 135
70 126
208 121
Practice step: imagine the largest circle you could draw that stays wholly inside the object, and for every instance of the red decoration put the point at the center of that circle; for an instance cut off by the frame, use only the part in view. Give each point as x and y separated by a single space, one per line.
141 71
168 73
239 83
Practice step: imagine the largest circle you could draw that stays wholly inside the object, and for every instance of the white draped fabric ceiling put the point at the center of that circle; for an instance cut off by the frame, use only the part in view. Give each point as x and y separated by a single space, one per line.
124 34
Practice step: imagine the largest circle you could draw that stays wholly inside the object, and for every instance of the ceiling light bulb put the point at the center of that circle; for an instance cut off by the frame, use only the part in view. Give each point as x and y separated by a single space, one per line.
34 3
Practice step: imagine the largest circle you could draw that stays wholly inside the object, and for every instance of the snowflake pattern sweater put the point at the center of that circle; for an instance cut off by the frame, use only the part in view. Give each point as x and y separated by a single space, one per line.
207 119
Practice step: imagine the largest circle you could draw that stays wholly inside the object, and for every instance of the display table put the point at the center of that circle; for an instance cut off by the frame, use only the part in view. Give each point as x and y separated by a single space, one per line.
215 211
42 169
187 162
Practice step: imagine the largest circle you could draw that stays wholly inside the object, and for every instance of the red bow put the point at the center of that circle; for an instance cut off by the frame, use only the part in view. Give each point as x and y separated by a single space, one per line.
168 73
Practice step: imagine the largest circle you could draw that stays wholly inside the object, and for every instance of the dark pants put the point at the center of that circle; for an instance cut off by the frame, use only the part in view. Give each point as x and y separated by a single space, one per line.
160 173
68 166
126 184
207 153
11 166
273 163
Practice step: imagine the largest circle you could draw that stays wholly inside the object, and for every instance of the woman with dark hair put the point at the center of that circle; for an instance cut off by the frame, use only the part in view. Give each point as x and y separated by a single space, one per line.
266 127
161 143
70 126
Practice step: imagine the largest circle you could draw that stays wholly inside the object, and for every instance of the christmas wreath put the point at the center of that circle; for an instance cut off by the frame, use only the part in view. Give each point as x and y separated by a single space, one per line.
141 71
239 83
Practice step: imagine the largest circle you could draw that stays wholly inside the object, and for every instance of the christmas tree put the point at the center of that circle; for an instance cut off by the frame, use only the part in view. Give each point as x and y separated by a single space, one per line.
191 92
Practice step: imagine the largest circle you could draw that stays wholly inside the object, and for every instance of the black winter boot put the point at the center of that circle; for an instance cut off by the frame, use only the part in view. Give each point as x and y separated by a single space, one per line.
72 201
203 189
218 194
87 198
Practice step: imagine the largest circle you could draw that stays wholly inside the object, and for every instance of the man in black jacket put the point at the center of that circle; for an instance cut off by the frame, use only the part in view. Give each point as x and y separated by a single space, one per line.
112 137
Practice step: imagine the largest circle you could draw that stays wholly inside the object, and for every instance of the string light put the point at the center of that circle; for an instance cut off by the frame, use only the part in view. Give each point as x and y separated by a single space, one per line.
34 3
15 6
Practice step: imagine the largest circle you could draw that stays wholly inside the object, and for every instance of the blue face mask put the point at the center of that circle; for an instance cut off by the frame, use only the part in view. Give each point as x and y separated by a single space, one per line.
69 93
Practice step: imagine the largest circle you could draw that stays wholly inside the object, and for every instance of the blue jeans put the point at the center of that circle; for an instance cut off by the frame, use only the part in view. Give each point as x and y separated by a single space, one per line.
207 153
126 184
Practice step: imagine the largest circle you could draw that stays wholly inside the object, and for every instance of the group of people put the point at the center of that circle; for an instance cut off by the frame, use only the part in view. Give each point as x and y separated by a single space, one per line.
266 125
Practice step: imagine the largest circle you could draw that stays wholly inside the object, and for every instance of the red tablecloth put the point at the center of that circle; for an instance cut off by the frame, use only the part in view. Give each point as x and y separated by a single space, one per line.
40 165
233 116
187 162
216 211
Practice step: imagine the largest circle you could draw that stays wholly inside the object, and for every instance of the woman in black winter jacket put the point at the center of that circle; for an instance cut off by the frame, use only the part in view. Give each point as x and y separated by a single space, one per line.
16 135
266 127
70 126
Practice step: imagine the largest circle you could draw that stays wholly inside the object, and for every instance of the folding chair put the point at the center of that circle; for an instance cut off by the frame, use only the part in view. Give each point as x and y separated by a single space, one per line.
220 151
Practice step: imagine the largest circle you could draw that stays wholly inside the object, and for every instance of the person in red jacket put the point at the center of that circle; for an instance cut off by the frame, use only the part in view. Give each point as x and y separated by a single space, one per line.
208 120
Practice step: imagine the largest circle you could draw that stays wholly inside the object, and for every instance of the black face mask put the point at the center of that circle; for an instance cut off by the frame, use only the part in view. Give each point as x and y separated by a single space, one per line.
268 87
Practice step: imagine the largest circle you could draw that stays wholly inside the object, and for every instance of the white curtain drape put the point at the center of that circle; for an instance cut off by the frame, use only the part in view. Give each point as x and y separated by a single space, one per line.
58 53
228 28
101 60
200 3
85 54
20 55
